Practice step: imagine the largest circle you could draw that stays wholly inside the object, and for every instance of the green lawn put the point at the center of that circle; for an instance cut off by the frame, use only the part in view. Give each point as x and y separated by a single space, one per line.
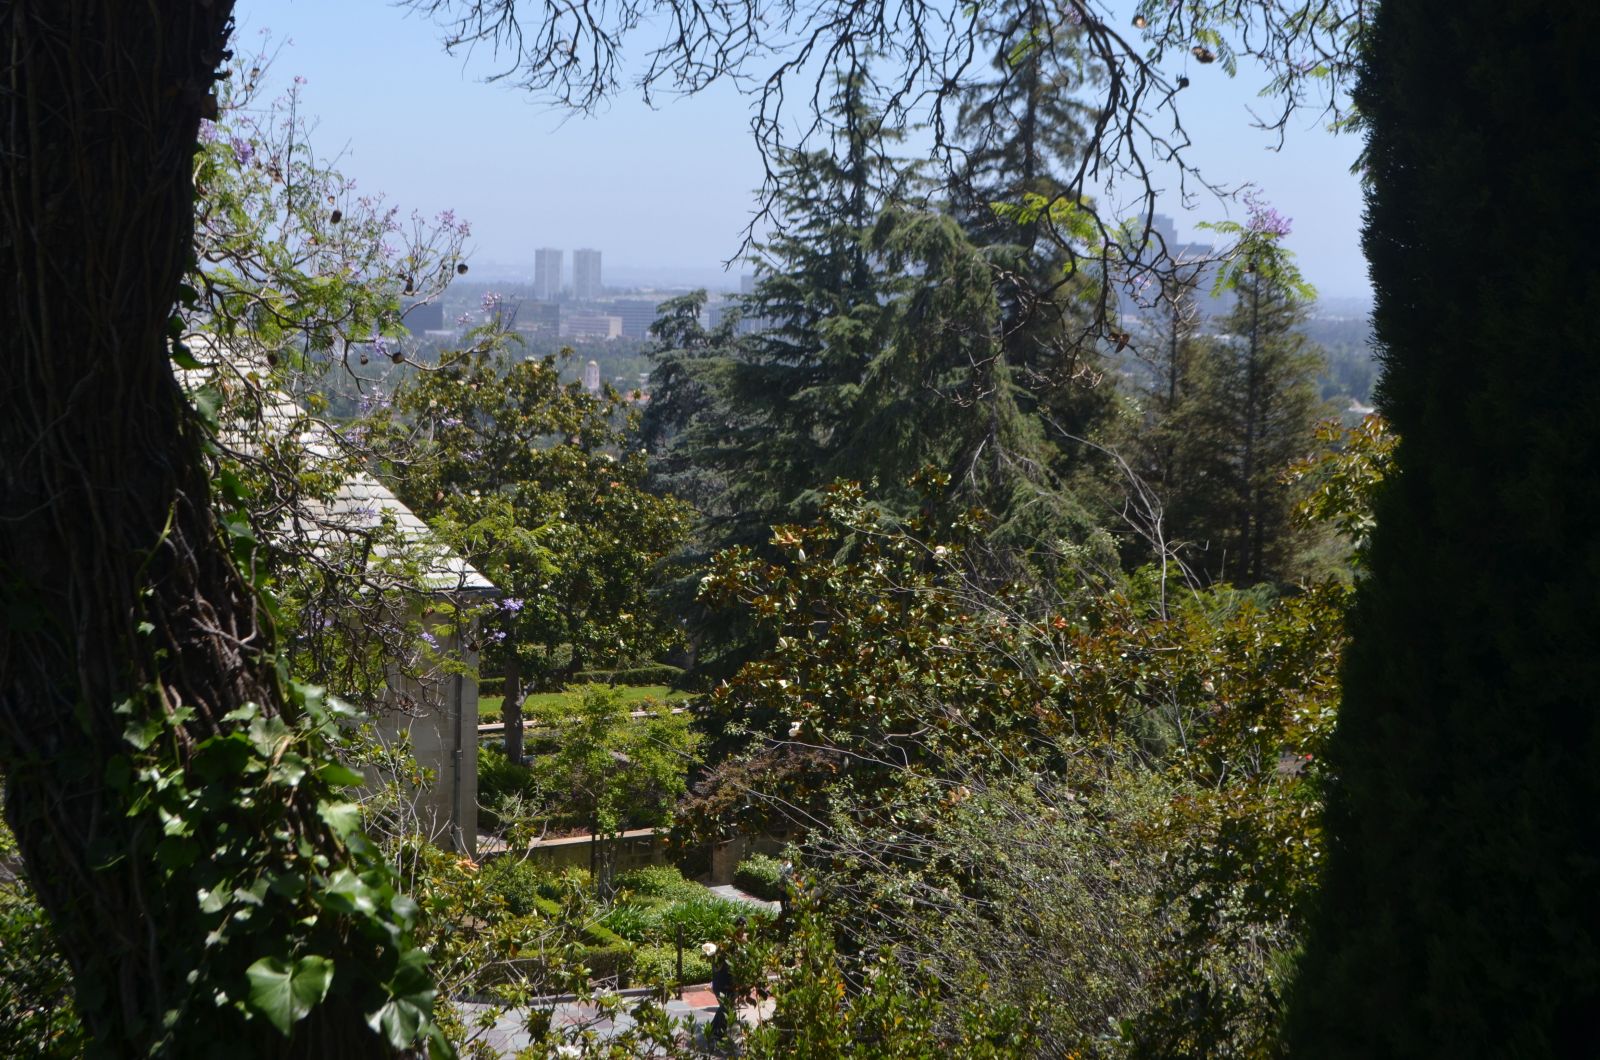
489 706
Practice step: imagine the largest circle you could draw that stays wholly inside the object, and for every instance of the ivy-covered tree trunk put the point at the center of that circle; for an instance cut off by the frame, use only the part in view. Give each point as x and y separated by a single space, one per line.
182 897
1459 913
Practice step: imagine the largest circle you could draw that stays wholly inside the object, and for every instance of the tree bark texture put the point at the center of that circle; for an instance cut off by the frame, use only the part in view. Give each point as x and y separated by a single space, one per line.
117 586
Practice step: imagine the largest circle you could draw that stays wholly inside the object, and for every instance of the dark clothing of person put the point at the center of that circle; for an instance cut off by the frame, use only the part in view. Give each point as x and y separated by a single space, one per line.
722 987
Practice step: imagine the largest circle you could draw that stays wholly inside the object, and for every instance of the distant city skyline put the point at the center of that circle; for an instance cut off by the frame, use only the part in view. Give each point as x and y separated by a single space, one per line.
586 277
547 273
527 176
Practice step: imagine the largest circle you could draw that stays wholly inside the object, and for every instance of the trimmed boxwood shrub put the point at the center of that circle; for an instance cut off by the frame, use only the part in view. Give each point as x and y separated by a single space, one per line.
648 674
761 876
660 881
610 961
658 965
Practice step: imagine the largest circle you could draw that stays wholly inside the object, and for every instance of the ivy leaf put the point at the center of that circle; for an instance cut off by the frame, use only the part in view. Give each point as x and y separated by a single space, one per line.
346 892
269 736
141 734
399 1021
336 775
289 771
208 402
342 817
183 358
286 993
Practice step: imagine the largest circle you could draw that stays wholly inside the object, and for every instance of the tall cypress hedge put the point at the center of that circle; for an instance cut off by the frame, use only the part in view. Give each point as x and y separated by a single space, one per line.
1459 911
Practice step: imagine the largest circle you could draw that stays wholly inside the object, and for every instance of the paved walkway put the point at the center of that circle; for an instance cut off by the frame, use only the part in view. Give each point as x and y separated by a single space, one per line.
509 1032
733 894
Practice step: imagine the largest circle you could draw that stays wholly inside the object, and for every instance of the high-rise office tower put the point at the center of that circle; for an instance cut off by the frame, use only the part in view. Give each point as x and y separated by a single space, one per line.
547 274
586 275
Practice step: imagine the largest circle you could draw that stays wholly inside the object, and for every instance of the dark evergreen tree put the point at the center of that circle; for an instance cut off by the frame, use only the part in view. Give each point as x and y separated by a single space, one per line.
1021 133
680 420
1458 914
1164 374
764 413
1250 411
882 352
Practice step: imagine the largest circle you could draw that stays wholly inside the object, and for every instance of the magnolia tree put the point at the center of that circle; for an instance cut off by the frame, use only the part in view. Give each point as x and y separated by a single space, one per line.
531 479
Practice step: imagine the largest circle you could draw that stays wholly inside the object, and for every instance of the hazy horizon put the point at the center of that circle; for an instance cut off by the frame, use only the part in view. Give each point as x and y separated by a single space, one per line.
669 191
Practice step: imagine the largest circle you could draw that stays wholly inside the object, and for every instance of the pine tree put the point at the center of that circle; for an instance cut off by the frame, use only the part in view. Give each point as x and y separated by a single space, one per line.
1165 376
679 422
1458 913
765 413
796 385
1253 412
885 354
1021 133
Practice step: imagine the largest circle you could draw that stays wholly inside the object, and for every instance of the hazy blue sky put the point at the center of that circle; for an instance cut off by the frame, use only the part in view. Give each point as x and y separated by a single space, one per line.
673 187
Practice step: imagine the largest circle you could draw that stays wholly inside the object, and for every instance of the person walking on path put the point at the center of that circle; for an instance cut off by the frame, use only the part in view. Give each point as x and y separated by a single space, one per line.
722 988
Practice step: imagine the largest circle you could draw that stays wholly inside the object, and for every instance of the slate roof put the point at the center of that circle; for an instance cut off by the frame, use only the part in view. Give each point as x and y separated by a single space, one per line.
359 505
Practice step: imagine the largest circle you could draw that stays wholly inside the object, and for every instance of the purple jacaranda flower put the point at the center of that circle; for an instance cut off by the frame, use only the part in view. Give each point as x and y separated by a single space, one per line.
511 604
433 641
208 131
491 300
1263 219
496 636
463 320
243 150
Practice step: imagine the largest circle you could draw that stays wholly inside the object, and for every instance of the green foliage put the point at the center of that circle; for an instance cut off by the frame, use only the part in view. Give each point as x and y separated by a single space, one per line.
36 1013
506 791
884 351
286 992
1023 125
615 770
1341 484
918 728
1457 908
761 876
204 840
634 922
658 965
653 674
702 919
1233 414
529 478
702 916
608 960
829 1006
519 884
880 661
664 882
